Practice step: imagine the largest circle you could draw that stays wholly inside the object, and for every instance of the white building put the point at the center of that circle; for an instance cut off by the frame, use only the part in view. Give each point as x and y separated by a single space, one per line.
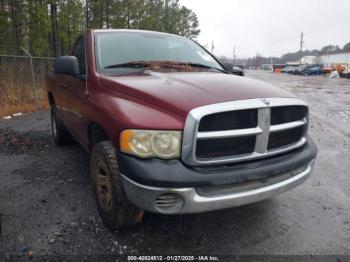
310 60
331 59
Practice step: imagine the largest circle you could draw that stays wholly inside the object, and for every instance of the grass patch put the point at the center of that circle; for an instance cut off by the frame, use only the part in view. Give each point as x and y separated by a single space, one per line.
16 90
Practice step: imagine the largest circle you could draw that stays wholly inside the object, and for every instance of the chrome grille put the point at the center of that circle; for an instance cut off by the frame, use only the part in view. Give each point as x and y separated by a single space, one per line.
207 148
285 114
285 137
229 120
243 130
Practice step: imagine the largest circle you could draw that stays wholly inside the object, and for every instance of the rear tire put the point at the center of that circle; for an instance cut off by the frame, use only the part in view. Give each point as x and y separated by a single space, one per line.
60 134
112 203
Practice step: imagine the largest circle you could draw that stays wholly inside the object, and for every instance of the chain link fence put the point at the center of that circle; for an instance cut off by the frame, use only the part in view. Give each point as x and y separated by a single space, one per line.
22 82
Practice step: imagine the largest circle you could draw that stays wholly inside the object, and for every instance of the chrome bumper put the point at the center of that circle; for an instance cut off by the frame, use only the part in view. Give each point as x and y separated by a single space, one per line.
188 200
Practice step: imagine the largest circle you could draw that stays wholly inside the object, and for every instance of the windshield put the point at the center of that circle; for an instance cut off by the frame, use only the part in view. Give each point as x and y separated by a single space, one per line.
124 47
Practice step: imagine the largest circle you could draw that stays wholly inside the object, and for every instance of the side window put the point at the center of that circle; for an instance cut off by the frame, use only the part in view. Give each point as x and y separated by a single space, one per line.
79 52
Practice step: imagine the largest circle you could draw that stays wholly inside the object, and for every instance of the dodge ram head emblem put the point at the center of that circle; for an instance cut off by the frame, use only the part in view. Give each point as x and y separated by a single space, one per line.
266 101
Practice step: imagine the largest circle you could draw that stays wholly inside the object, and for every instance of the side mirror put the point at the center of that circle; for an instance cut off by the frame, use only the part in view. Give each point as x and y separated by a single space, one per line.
229 68
67 65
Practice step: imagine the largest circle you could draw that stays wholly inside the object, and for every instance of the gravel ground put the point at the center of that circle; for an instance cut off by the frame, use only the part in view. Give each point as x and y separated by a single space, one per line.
48 207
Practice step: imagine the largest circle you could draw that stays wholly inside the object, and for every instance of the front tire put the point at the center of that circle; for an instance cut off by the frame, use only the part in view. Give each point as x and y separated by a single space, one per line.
114 207
60 134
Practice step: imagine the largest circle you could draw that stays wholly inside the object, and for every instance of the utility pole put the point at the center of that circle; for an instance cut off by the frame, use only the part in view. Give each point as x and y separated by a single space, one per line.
234 55
301 45
212 46
271 61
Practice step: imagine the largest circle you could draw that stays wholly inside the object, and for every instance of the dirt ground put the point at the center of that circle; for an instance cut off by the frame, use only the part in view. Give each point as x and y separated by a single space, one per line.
48 208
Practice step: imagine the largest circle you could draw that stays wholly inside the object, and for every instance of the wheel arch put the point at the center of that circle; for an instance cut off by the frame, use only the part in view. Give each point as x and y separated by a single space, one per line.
96 134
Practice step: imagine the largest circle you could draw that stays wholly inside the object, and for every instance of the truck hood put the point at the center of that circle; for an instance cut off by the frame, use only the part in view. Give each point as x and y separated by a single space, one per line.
180 92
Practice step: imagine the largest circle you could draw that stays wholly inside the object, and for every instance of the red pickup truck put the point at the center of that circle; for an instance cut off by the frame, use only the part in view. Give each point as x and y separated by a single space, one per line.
169 130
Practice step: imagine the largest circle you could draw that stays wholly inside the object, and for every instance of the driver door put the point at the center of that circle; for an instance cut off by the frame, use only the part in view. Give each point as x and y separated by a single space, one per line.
74 94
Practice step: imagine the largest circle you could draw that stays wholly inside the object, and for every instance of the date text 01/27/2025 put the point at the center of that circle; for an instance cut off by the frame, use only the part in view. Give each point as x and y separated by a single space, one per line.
173 258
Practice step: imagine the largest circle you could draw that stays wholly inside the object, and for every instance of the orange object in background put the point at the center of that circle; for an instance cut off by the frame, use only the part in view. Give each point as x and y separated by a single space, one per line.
339 67
278 70
327 70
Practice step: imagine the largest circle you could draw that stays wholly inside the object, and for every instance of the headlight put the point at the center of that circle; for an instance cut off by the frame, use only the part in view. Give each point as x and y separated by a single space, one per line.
151 143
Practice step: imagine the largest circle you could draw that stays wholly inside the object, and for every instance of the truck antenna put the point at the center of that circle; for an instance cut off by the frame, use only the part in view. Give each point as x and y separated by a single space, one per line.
86 91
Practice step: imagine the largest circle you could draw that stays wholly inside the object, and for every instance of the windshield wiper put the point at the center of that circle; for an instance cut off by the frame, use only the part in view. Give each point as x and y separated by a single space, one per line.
129 64
145 64
205 66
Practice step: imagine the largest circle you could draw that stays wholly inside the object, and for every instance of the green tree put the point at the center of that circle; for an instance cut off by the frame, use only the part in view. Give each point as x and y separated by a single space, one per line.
187 23
330 48
152 16
346 47
5 27
50 27
17 19
38 28
70 23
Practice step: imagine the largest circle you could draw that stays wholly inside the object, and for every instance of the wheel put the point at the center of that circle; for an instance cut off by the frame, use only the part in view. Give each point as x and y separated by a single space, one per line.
112 203
60 134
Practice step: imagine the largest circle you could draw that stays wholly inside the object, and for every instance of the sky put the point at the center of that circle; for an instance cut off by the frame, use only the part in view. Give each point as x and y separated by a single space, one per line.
270 27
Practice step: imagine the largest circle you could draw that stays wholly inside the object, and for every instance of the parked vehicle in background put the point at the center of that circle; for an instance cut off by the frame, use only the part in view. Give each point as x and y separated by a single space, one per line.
170 131
287 69
301 70
345 74
298 70
340 68
266 67
277 68
327 70
236 70
292 70
316 70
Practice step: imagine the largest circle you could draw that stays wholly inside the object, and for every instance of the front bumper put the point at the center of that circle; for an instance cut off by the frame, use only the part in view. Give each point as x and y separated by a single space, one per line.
188 200
173 188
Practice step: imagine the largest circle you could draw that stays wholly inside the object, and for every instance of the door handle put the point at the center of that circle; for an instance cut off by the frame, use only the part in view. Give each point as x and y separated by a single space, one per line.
63 86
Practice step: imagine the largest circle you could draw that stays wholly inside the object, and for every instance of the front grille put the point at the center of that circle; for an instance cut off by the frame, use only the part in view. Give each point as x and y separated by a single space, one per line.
285 114
229 120
285 138
225 146
244 130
